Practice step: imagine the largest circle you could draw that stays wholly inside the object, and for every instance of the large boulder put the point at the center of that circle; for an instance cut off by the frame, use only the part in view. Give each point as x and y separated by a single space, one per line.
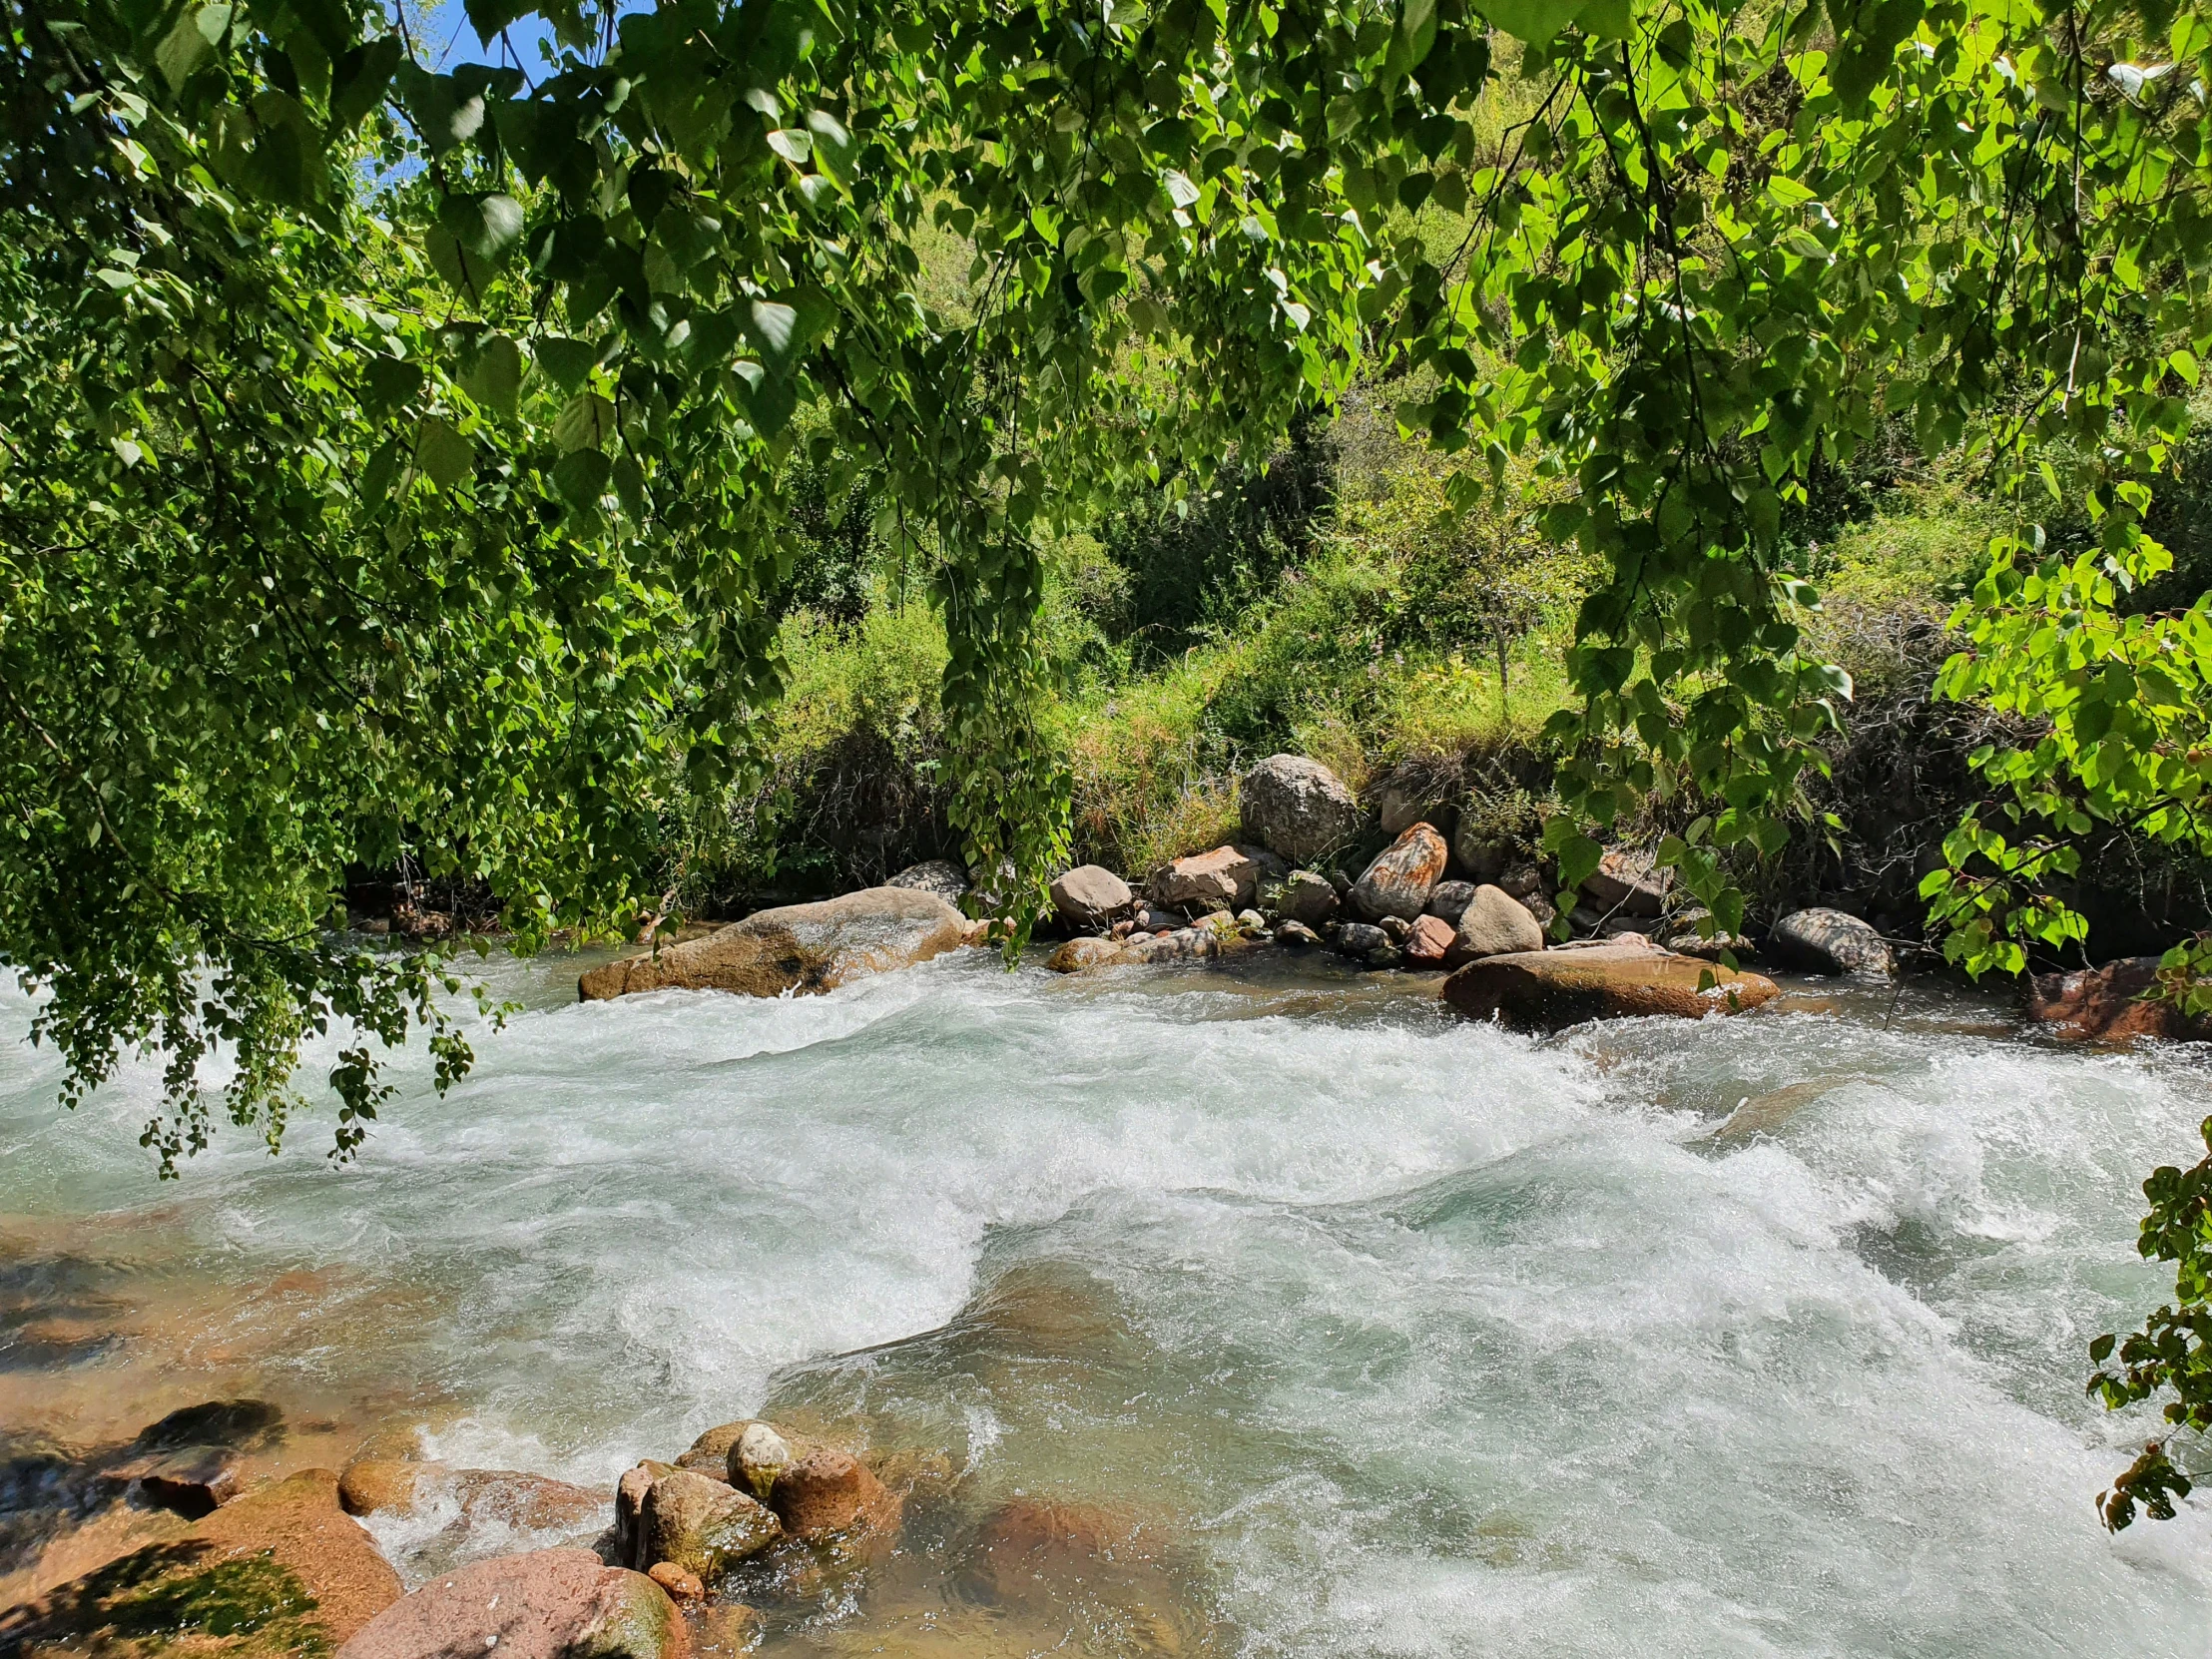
1821 940
1185 944
1627 883
948 879
511 1498
1224 878
548 1604
2111 1002
1494 923
795 947
1545 991
1090 895
1481 853
829 1491
704 1525
1400 881
1298 808
1089 951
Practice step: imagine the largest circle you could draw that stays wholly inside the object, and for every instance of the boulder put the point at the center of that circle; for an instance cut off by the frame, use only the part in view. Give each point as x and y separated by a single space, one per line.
193 1480
1183 946
1481 855
760 1455
726 1628
1361 938
795 947
1030 1541
630 1496
1308 897
1400 881
1272 869
829 1492
1298 808
710 1454
548 1604
242 1425
1821 940
1494 923
1400 808
704 1525
1428 942
1089 951
1448 901
1625 883
1524 881
1679 931
373 1485
1295 934
949 880
512 1499
2109 1003
1090 895
1545 991
1205 881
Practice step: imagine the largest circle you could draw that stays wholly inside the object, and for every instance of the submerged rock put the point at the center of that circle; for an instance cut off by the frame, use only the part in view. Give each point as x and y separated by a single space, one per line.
1298 808
193 1480
948 879
829 1492
1494 923
1400 881
1546 990
548 1604
1205 881
703 1524
2111 1002
1088 951
1090 895
795 947
1821 940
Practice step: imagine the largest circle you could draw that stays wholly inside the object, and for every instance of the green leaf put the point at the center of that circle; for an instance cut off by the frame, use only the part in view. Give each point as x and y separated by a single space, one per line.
587 422
359 79
187 45
472 239
566 362
493 376
1412 36
444 453
580 477
1534 21
392 381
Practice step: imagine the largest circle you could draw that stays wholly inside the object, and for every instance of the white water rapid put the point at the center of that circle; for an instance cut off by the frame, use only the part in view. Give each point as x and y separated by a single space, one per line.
1757 1337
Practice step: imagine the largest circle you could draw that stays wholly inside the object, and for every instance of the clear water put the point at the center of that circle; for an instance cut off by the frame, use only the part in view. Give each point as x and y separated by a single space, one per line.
1409 1337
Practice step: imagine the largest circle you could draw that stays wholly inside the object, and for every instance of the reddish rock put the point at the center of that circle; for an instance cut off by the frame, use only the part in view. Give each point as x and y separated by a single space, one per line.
191 1481
371 1485
1626 883
704 1525
829 1491
728 1627
1224 876
1403 875
1030 1539
548 1604
630 1496
1544 990
2111 1003
681 1584
1429 940
1087 952
511 1498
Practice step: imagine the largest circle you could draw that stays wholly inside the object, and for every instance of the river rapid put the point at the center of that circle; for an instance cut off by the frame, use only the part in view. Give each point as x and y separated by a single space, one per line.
1402 1336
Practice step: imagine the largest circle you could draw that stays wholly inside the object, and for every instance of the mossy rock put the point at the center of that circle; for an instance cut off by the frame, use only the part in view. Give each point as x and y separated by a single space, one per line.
175 1598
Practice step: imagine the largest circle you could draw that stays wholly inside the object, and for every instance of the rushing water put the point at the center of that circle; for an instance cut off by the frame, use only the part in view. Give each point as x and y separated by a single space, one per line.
1409 1336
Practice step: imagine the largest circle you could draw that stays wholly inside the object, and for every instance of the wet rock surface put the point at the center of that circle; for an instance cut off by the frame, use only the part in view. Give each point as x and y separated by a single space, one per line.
798 947
2111 1003
548 1604
1551 989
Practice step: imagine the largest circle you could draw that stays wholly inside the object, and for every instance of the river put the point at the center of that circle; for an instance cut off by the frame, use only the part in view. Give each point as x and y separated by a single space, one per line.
1403 1336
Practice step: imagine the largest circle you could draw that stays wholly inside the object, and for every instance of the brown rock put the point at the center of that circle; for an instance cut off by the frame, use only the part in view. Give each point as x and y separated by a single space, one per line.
1307 898
728 1627
1297 807
1224 876
682 1585
797 947
1090 895
630 1494
2111 1003
1400 881
509 1497
370 1486
191 1481
1494 923
548 1604
704 1525
1545 991
829 1491
1087 952
1027 1541
1626 883
1428 942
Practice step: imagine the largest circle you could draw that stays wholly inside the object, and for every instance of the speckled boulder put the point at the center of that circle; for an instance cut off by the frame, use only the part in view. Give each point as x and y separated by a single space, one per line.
1400 881
1546 990
795 947
548 1604
1297 808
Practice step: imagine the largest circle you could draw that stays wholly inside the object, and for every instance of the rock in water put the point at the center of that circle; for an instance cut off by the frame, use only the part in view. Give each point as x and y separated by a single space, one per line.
941 876
630 1496
1183 946
1361 938
760 1455
1448 901
1307 898
1090 895
1545 991
1298 808
193 1480
1296 934
1428 942
548 1604
1403 875
829 1491
1494 923
1088 951
795 947
2110 1002
1626 883
1821 940
704 1525
1206 881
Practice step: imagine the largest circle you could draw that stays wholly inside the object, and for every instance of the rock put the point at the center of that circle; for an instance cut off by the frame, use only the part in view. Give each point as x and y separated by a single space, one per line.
1251 922
1205 879
1821 940
1387 957
1545 991
1308 897
1183 946
1679 932
1357 938
1272 869
512 1499
1089 951
1538 907
371 1485
1429 943
1396 928
1152 920
1625 883
548 1604
1090 895
630 1496
795 947
1524 881
727 1628
1400 808
949 880
1298 808
1400 881
829 1492
1030 1541
1494 923
1296 934
680 1584
760 1455
243 1425
1482 857
2110 1002
1448 901
193 1480
704 1525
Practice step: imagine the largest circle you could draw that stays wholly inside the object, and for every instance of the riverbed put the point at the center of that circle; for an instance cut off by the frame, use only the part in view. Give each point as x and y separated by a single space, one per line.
1394 1334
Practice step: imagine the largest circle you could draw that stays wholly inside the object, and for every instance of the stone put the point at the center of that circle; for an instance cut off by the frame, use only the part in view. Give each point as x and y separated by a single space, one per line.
1029 1540
760 1455
1357 938
703 1524
1251 922
1625 883
1546 990
1308 897
1272 869
372 1486
510 1498
1090 895
1089 951
193 1480
547 1605
1396 929
1204 880
1480 854
1387 957
1400 808
1429 943
726 1628
829 1492
803 949
1524 881
943 876
2111 1003
1296 934
1298 808
1448 901
1822 940
1537 905
630 1496
1183 946
1400 881
1494 923
243 1425
682 1585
